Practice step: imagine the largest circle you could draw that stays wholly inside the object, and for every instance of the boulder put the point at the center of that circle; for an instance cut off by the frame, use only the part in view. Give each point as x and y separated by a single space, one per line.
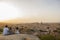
19 37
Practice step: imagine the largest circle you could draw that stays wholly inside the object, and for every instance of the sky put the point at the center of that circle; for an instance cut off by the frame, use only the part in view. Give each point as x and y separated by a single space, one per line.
30 11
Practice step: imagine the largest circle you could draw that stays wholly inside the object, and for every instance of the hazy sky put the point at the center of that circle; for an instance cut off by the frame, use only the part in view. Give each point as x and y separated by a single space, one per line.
37 10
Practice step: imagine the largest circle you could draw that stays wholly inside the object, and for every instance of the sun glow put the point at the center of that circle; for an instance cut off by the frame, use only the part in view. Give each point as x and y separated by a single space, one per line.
8 11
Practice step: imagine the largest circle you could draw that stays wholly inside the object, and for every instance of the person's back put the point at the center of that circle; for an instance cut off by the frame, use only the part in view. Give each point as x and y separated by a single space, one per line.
5 31
10 31
17 30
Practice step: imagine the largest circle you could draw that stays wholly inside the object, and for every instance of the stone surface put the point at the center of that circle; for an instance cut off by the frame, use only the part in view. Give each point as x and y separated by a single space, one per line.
19 37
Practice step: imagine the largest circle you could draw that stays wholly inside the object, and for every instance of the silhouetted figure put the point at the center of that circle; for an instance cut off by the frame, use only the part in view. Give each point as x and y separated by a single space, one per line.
17 30
48 29
6 30
10 31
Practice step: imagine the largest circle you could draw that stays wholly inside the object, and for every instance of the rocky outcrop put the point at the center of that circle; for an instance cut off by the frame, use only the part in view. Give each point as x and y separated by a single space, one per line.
19 37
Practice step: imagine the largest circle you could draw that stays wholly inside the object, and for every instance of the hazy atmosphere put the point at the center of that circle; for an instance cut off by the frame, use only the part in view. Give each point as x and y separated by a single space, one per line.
16 11
29 19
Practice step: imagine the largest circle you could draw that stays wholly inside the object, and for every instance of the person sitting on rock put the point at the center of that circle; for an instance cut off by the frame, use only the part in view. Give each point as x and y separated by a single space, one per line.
10 31
17 30
6 30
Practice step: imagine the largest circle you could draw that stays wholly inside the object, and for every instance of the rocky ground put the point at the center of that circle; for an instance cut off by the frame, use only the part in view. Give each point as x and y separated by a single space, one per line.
19 37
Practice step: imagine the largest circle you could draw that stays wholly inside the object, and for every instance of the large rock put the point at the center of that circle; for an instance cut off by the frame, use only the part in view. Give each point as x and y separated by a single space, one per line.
19 37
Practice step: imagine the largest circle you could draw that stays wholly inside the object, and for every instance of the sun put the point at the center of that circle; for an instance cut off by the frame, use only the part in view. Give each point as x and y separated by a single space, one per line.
7 11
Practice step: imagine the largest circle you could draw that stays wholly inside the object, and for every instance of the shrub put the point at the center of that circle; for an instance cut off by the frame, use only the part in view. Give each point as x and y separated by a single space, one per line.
47 37
1 30
58 37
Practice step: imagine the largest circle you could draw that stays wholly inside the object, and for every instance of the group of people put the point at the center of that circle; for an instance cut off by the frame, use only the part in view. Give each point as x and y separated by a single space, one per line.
8 30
